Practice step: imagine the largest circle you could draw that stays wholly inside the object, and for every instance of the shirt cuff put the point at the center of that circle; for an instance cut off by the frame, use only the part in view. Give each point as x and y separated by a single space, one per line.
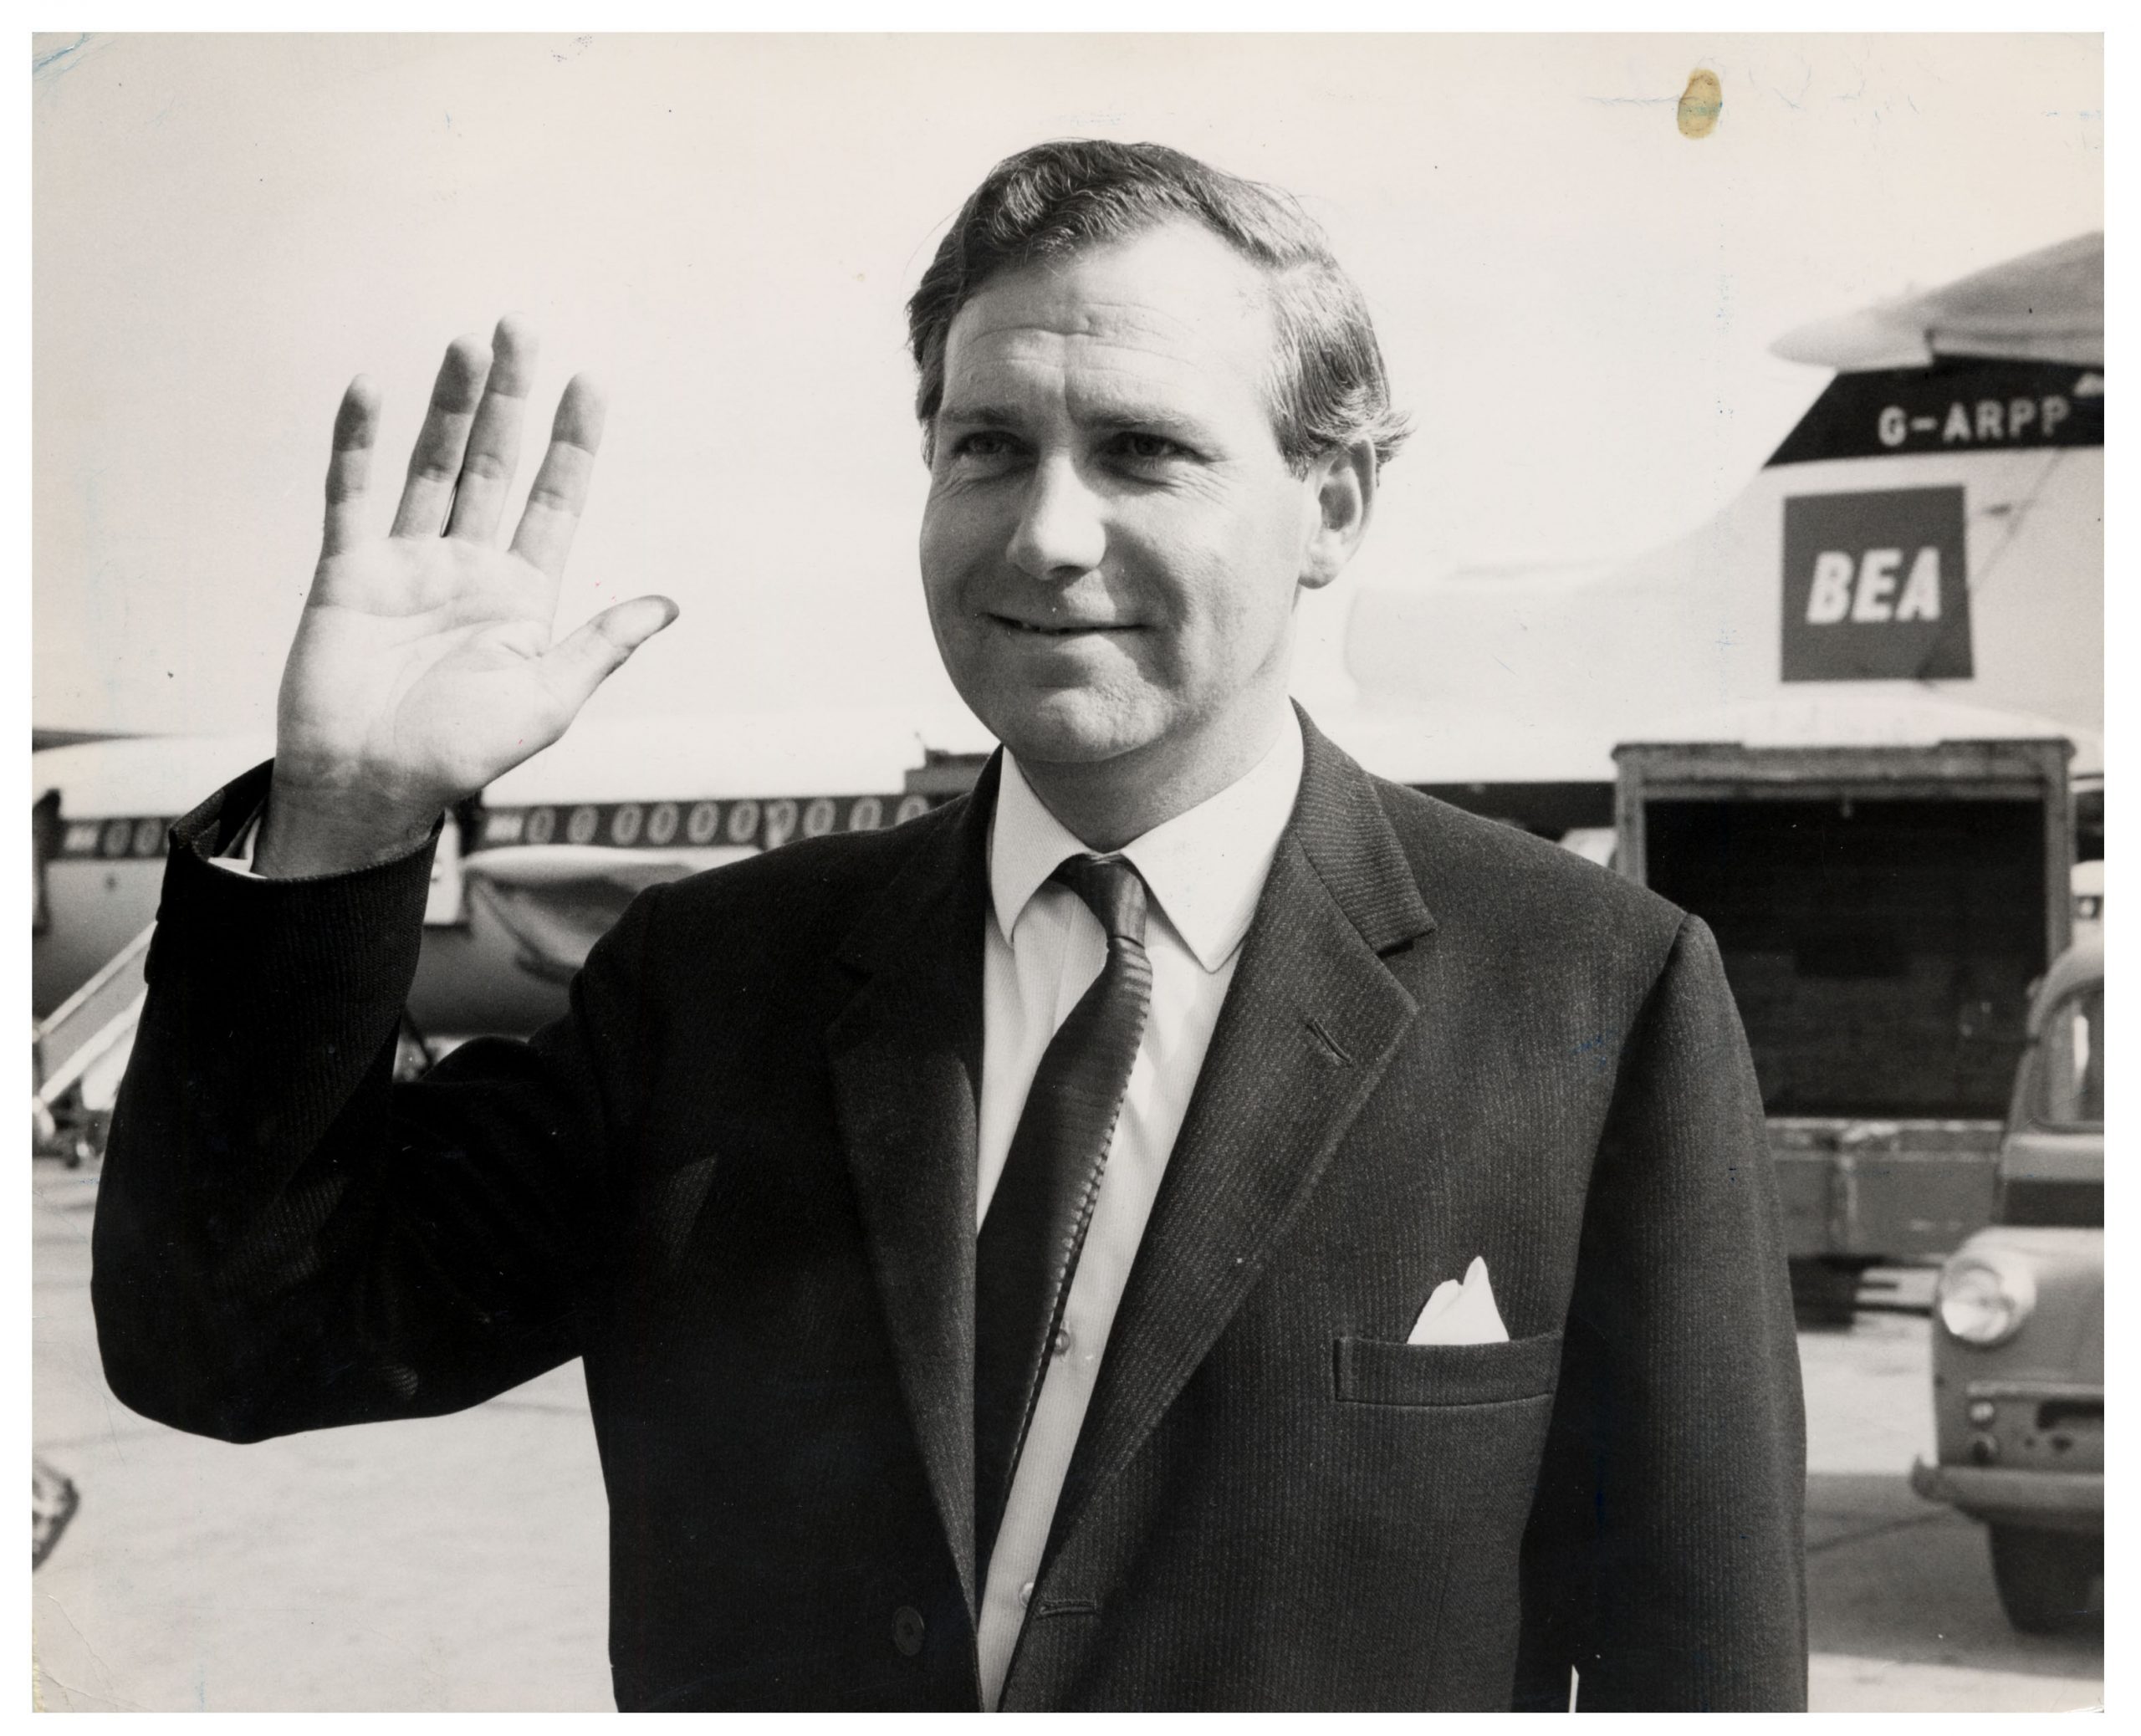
239 858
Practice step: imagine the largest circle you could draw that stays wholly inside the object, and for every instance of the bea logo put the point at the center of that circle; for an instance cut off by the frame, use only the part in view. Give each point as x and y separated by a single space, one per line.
1875 588
1834 596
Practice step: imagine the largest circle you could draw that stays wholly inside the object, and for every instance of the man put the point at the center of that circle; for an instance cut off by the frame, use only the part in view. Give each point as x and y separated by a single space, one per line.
1015 1257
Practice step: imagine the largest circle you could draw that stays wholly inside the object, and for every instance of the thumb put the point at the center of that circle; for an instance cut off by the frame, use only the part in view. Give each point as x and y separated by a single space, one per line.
578 664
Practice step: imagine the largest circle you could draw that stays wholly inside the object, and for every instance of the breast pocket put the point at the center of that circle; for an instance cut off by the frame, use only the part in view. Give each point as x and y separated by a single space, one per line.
1373 1371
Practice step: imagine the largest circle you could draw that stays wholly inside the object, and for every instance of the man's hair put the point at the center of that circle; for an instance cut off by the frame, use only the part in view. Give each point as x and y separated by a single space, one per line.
1327 389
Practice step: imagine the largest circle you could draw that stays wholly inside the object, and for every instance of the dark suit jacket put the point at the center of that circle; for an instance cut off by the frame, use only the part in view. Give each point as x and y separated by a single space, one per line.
737 1179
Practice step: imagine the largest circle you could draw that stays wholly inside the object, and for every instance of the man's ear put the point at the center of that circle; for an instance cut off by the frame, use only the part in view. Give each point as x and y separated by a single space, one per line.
1341 483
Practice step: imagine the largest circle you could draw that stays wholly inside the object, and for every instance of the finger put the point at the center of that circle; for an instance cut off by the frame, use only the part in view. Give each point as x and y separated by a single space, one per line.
552 514
576 665
349 467
436 463
494 439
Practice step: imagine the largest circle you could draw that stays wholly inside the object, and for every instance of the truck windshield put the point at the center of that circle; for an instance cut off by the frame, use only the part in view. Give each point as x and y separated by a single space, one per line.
2071 1066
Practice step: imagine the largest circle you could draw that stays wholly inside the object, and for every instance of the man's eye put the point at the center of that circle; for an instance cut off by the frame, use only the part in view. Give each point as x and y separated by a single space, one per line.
982 444
1148 448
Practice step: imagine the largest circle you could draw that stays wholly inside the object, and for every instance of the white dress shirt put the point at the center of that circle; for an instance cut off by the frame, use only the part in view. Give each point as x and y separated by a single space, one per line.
1205 870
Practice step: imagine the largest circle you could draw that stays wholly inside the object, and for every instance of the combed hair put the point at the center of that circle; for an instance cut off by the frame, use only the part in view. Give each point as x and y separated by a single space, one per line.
1328 387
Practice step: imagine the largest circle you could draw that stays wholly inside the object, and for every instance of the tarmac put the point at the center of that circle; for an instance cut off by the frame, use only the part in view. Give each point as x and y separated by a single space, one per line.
457 1564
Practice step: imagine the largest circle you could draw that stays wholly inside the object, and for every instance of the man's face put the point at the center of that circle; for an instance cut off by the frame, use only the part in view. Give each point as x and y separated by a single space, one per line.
1113 543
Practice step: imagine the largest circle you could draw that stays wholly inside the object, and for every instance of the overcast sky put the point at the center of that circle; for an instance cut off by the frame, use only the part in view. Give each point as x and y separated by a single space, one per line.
1575 300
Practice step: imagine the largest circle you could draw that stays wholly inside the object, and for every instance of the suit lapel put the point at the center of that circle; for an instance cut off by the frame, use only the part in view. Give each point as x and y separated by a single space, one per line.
905 1057
1312 1016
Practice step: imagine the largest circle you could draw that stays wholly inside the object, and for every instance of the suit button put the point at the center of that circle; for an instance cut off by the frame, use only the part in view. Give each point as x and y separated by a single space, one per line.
907 1630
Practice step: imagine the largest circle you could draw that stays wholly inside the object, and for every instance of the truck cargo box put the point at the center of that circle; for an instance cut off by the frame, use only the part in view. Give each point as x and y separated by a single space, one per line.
1882 912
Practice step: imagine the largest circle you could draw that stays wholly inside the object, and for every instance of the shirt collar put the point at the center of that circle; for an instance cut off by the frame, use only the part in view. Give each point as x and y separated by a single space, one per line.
1205 868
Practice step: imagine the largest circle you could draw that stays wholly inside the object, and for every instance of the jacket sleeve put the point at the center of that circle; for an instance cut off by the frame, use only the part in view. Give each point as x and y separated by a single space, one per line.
285 1238
1665 1558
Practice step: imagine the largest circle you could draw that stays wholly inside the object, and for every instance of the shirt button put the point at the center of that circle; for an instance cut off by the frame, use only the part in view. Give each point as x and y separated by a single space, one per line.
1026 1594
1061 1347
907 1630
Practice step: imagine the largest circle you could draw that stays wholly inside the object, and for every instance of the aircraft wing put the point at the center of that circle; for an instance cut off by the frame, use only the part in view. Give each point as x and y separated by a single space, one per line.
556 900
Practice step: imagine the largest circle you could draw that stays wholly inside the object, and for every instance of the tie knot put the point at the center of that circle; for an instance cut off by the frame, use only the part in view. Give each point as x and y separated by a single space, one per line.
1113 890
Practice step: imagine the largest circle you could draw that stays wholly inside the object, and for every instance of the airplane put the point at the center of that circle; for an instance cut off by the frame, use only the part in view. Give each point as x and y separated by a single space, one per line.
1920 558
525 877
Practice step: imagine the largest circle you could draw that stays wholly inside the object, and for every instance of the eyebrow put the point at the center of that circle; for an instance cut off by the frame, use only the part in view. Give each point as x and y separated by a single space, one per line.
976 416
1120 420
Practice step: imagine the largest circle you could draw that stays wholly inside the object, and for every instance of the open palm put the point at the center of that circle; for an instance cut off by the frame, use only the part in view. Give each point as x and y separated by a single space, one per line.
424 665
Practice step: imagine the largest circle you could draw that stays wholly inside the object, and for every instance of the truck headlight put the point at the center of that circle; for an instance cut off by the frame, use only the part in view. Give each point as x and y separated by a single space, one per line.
1983 1299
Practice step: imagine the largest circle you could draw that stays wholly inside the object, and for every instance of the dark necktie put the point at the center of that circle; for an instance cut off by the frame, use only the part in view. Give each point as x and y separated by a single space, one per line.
1030 1242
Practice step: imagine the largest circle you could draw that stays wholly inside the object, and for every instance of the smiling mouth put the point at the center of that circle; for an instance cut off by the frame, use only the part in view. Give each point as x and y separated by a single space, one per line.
1067 630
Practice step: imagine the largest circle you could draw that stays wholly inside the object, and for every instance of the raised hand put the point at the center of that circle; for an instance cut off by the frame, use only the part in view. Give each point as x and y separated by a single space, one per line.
424 665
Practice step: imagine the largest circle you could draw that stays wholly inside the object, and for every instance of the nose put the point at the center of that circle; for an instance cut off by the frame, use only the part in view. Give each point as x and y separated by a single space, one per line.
1062 530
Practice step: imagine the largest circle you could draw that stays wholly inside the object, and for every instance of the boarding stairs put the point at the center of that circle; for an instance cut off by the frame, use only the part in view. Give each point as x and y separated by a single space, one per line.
90 1025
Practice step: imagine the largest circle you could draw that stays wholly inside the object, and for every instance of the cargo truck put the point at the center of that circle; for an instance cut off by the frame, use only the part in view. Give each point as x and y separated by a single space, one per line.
1882 912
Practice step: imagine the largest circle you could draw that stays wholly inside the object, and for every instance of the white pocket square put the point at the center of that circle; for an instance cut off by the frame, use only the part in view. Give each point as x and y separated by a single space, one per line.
1461 1313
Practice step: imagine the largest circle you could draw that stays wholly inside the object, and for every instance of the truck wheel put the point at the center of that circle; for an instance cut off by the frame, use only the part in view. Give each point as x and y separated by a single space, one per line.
2046 1578
1824 1292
